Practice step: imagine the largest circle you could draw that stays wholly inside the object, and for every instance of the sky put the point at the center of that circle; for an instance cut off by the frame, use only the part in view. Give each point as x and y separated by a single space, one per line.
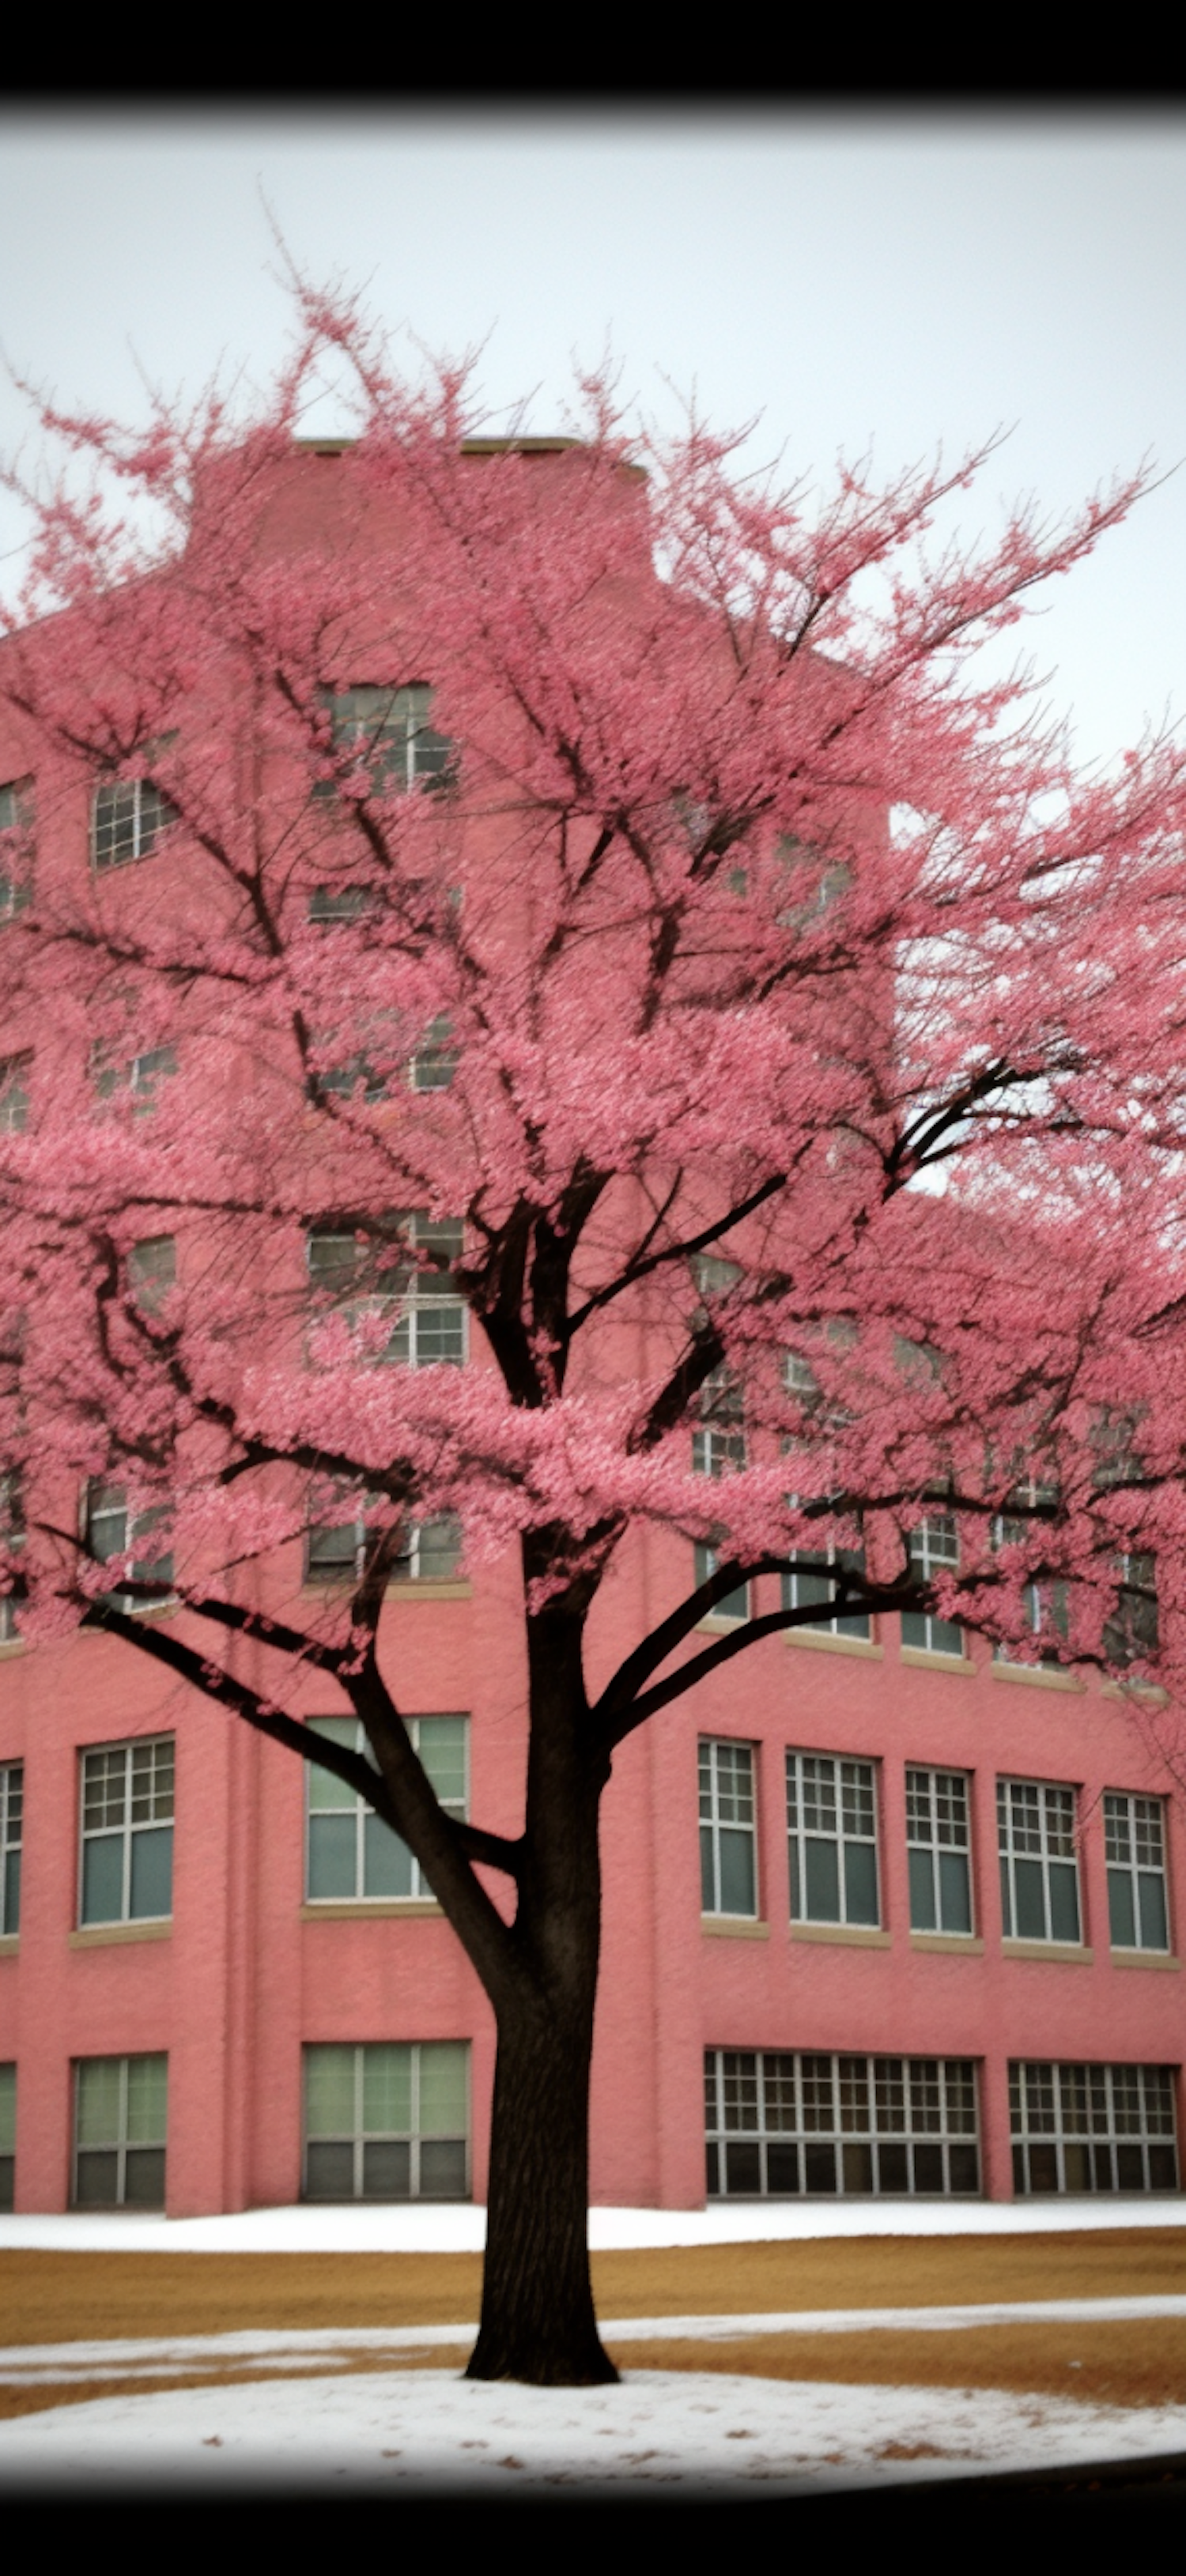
844 281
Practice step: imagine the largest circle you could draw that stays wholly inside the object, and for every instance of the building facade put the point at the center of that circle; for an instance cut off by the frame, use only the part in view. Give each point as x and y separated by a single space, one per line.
885 1913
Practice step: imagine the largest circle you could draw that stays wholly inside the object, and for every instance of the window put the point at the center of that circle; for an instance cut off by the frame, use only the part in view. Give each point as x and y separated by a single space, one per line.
832 1830
934 1549
351 1853
152 1271
340 903
127 1832
387 2122
717 1452
429 1551
16 846
388 731
713 1275
1131 1633
1134 1844
12 1539
12 1801
419 1295
1092 2128
805 1588
128 817
938 1850
1039 1867
436 1059
120 2109
14 1093
728 1854
735 1605
139 1075
780 2122
7 2134
1044 1605
110 1532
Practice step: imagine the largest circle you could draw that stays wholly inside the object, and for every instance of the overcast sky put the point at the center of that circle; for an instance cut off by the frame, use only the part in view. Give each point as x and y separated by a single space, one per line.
894 279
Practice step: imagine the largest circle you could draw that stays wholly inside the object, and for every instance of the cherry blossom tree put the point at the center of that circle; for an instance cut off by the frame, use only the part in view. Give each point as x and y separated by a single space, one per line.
579 897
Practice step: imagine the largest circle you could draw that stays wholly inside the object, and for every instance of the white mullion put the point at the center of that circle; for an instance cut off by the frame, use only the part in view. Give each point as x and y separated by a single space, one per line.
357 2140
126 1882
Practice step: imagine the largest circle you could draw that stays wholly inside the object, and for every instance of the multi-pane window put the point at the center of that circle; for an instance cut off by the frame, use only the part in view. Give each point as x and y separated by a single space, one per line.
938 1842
7 2134
1134 1843
12 1805
152 1271
832 1832
1092 2128
780 2121
351 1853
811 1584
434 1061
429 1550
127 820
16 846
127 1832
15 1071
934 1549
407 1281
12 1539
120 2112
734 1605
388 731
111 1532
138 1075
1131 1633
728 1853
340 902
389 2121
1044 1605
1039 1861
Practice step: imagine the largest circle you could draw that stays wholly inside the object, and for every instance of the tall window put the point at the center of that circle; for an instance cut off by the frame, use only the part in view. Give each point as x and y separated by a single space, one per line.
335 1548
390 733
733 1605
408 1281
12 1539
806 1588
1132 1632
781 2122
1044 1605
16 847
832 1832
938 1852
1092 2128
434 1061
127 1832
431 1551
138 1075
351 1853
934 1549
120 2113
111 1531
1134 1842
12 1805
728 1855
128 818
389 2121
152 1271
1039 1863
7 2134
15 1071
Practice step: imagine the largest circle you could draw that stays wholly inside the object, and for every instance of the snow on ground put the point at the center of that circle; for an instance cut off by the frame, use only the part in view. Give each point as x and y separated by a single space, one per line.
457 2228
433 2430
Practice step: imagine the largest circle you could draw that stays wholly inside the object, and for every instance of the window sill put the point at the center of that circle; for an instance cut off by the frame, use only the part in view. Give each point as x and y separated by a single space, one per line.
330 1909
922 1660
94 1936
1047 1676
10 1943
836 1645
959 1944
853 1936
433 1587
1143 1959
734 1927
1065 1954
11 1646
715 1627
1150 1691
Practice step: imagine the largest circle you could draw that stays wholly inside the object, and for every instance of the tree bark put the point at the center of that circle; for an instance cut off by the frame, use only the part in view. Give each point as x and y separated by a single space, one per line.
538 2321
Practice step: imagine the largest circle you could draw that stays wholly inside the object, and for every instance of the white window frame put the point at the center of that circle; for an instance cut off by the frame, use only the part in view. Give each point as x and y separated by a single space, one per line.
389 731
1135 1836
1092 2128
150 817
352 1733
105 1500
939 1829
849 1796
161 1798
413 2137
421 1293
16 816
785 2123
806 1585
1051 1812
14 1092
409 1561
12 1537
12 1807
434 1061
138 1074
121 2144
728 1788
734 1606
933 1548
1123 1642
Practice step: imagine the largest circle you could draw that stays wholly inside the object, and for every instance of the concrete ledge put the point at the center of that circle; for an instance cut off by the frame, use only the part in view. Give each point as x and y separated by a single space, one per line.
734 1927
1067 1954
95 1936
965 1944
1144 1959
1047 1676
10 1943
367 1908
921 1660
853 1936
836 1645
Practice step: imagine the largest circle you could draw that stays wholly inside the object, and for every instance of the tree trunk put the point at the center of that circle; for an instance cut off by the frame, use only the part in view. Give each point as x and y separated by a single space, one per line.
538 2322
